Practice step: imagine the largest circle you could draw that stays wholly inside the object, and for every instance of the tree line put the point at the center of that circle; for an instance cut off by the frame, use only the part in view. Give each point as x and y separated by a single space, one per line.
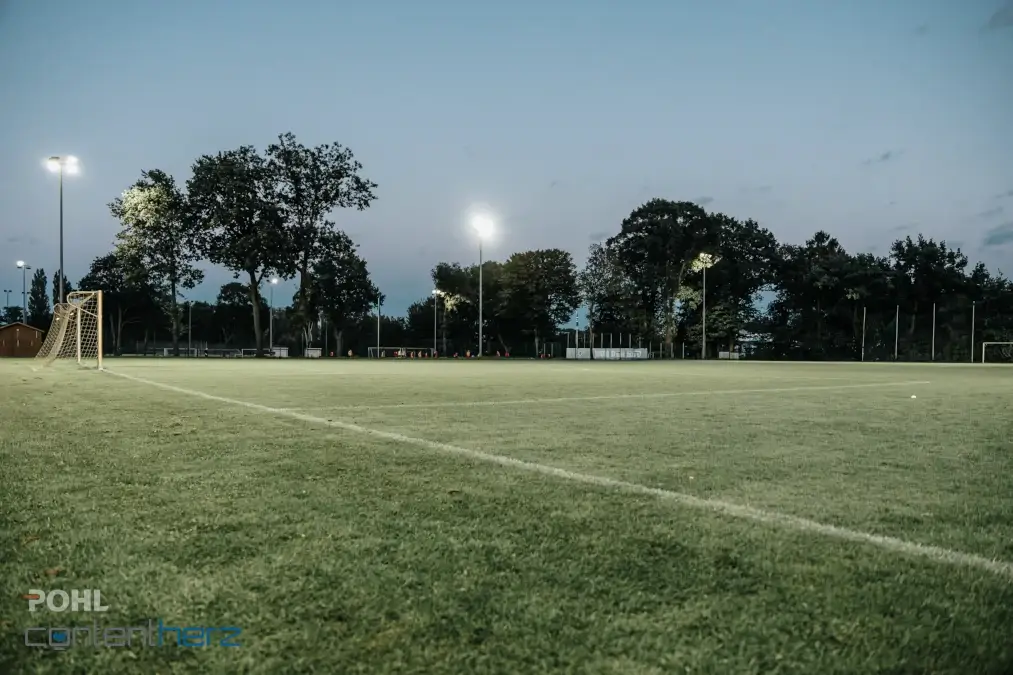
268 216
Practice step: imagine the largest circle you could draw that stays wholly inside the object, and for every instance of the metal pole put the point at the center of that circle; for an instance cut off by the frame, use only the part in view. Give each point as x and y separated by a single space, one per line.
703 345
61 232
270 321
863 332
7 300
189 328
24 293
896 332
933 357
972 331
436 300
378 328
480 336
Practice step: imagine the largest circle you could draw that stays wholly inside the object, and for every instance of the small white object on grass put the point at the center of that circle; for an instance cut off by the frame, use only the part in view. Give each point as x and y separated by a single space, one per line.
913 396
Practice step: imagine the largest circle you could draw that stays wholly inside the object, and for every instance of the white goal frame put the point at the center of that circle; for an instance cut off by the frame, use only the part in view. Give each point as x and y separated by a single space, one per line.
985 345
76 330
399 352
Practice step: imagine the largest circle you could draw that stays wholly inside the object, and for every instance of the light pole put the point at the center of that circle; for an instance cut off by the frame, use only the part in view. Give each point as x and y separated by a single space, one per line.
702 262
58 164
483 227
7 300
436 303
24 267
189 328
270 320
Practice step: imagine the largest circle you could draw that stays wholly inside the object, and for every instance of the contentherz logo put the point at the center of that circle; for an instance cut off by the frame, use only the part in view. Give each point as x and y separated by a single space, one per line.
77 600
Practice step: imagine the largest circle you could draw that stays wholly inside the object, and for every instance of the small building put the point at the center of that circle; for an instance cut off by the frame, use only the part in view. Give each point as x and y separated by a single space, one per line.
20 340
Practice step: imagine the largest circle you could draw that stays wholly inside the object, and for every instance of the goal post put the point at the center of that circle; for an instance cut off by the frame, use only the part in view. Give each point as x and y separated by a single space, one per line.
1003 349
401 352
76 331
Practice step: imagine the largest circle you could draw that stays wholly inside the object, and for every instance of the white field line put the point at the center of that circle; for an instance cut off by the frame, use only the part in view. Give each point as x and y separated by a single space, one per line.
613 397
935 554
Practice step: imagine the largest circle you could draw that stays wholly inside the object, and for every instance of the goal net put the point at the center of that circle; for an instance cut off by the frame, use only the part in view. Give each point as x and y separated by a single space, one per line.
401 352
997 352
76 331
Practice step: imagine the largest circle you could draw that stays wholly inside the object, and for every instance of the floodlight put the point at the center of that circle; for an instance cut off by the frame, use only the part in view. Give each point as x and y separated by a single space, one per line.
483 226
274 280
20 264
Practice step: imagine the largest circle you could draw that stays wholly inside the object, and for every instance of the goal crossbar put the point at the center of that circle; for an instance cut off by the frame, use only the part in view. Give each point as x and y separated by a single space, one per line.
1007 352
76 331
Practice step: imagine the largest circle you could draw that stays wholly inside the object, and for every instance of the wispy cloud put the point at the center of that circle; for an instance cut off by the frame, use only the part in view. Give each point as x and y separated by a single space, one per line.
703 201
988 213
904 228
1000 235
1003 195
883 157
1002 18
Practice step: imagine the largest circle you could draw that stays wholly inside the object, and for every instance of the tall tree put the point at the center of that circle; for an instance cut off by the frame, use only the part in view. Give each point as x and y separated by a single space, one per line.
243 229
67 288
128 296
231 306
159 233
39 315
13 314
459 287
312 182
606 291
342 289
656 245
539 292
746 255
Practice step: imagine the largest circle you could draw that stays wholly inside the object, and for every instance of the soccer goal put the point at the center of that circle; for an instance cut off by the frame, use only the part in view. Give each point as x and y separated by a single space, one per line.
401 352
76 331
999 352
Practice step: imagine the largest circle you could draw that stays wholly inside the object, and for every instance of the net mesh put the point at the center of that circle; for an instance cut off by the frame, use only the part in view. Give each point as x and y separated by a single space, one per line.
997 352
75 333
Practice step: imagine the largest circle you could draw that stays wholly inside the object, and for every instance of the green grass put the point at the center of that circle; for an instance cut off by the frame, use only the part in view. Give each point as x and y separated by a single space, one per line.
338 550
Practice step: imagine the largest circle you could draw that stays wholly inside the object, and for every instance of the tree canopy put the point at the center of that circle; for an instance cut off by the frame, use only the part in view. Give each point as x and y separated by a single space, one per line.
671 272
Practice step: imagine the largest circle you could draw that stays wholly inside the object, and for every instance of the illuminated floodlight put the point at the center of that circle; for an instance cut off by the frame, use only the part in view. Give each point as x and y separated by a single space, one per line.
483 226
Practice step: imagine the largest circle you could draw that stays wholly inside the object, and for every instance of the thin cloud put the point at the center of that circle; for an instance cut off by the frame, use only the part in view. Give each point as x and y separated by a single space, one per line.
1002 18
703 201
1003 195
988 213
904 228
883 157
1000 235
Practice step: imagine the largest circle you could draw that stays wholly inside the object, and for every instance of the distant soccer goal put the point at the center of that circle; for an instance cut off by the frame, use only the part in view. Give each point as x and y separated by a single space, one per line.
191 352
401 352
76 331
996 352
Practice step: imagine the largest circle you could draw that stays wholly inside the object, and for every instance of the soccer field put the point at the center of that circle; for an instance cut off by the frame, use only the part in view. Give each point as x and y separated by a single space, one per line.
513 517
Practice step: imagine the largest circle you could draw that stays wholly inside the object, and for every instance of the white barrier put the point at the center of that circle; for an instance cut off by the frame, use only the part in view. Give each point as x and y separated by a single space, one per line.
609 353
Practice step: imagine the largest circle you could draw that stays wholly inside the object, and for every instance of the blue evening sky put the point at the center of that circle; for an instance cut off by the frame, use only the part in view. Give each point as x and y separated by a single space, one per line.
869 118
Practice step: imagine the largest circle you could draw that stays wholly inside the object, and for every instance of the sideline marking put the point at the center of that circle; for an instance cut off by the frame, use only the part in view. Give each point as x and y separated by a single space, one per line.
612 397
937 554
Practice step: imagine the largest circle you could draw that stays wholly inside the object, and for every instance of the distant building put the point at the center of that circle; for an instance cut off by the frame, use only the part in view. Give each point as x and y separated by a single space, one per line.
19 340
